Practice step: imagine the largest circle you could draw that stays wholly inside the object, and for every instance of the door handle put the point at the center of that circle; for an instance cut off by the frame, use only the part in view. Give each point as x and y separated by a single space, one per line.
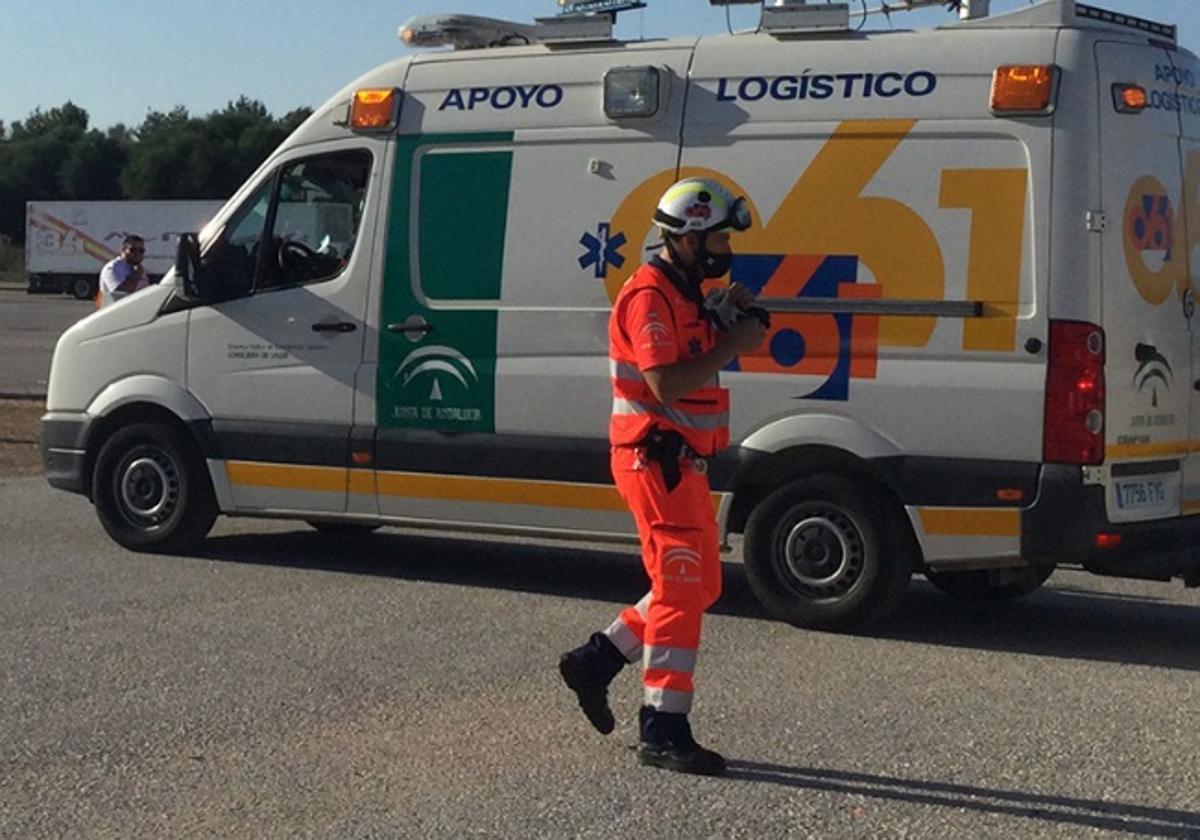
423 329
334 326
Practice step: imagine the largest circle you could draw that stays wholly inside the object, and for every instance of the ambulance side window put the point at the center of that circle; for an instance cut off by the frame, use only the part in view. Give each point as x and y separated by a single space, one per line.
299 226
315 220
463 198
232 262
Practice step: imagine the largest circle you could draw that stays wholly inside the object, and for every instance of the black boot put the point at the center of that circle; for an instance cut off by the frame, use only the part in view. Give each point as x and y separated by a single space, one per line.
587 671
667 742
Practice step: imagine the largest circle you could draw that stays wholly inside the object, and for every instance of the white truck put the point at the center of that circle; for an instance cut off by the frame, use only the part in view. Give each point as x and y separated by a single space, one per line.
68 242
977 243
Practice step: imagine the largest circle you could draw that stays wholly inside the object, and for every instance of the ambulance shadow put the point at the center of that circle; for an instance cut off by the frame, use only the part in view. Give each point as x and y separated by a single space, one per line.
721 116
607 574
1064 619
1090 813
1061 621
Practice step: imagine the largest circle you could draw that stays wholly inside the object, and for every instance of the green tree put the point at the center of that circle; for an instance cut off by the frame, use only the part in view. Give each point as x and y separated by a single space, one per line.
92 169
53 155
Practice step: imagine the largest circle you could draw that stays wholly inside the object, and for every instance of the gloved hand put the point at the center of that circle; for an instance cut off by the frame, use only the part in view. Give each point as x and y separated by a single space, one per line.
722 309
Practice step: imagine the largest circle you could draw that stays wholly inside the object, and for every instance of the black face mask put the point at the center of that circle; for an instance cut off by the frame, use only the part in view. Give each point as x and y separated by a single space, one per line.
710 264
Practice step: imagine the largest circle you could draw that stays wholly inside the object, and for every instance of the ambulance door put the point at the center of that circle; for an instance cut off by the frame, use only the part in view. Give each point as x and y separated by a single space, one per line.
1186 76
1148 363
504 251
275 360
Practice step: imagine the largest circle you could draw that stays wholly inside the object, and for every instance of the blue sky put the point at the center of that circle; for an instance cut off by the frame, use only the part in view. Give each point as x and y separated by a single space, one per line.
119 61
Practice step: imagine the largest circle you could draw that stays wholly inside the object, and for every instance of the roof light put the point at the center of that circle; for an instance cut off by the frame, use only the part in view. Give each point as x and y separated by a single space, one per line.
631 92
465 32
375 109
1024 89
1129 99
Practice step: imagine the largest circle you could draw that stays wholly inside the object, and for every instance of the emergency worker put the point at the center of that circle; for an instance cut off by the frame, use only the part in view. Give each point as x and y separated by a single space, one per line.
667 344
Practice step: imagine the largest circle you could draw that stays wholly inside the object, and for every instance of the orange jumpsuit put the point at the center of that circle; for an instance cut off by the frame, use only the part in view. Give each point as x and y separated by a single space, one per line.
656 323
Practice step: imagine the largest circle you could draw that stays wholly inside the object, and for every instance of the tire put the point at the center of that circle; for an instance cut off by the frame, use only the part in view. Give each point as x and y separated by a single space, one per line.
978 586
81 288
151 489
343 529
828 553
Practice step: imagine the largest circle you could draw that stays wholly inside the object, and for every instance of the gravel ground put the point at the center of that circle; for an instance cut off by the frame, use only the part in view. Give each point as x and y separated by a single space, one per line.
19 454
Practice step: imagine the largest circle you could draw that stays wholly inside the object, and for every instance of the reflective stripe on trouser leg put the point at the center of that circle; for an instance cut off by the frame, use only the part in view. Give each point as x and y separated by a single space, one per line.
679 536
667 677
627 632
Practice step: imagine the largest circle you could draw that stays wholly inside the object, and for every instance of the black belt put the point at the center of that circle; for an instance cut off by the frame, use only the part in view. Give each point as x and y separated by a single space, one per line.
666 448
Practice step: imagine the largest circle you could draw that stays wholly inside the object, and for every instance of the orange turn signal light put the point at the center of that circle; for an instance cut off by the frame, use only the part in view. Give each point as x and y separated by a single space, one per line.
374 109
1024 89
1130 99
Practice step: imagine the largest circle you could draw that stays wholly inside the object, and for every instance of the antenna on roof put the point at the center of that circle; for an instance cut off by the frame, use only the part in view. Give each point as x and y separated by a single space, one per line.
609 7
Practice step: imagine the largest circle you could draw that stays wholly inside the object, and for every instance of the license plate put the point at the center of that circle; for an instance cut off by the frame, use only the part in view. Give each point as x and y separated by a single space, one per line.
1144 497
1140 494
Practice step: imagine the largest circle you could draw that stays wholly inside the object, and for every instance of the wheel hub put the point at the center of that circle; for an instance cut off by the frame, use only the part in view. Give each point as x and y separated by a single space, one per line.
822 553
149 488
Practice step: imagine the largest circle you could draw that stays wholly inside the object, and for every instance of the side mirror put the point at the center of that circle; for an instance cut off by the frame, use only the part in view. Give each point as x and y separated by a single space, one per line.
197 285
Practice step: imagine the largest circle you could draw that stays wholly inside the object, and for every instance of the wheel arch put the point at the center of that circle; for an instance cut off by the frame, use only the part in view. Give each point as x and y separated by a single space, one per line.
790 448
141 399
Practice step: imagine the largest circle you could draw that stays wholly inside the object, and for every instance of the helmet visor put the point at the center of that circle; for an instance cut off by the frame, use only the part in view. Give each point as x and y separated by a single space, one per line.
739 215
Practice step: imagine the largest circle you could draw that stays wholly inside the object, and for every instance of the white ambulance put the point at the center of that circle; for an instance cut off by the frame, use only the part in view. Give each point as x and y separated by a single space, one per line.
976 241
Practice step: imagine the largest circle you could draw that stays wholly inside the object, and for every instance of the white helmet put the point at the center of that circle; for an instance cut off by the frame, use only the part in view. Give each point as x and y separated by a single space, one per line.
700 204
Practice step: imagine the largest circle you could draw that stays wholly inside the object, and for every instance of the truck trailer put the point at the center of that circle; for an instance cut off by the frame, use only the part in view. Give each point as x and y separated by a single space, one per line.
68 242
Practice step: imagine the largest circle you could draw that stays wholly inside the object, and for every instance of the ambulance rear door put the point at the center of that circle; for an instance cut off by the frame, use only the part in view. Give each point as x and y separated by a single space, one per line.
1186 76
1148 366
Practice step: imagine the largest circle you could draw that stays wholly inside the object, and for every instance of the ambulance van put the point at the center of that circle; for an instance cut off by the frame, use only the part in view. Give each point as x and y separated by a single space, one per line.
976 242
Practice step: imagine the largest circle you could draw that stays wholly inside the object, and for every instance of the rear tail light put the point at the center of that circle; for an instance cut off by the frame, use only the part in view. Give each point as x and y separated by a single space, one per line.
1074 419
1105 540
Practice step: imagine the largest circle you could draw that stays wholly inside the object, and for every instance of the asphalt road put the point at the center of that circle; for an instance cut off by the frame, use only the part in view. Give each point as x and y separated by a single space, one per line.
285 684
29 327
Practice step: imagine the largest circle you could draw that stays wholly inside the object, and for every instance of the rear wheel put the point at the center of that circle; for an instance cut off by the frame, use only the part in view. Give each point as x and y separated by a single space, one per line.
151 489
982 585
81 287
827 552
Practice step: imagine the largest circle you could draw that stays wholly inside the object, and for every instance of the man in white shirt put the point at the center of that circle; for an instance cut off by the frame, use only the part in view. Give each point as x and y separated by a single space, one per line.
126 273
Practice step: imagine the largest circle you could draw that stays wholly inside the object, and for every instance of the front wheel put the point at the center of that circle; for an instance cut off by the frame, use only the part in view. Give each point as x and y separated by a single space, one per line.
827 552
151 489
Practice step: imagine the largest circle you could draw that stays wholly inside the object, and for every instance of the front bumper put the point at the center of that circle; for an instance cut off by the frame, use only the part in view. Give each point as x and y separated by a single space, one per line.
1062 525
64 448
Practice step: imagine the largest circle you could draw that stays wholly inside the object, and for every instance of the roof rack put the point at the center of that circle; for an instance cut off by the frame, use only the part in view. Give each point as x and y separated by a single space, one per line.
800 16
1151 27
579 22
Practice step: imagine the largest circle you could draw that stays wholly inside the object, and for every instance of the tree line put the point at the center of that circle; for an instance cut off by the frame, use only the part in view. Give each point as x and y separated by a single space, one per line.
55 155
